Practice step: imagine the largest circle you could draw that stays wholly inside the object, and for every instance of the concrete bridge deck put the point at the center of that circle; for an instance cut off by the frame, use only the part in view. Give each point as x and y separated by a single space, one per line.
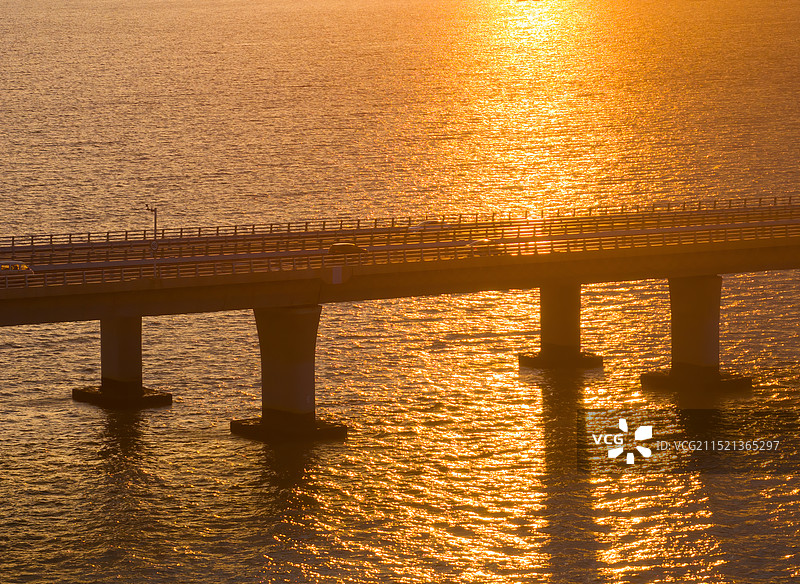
285 272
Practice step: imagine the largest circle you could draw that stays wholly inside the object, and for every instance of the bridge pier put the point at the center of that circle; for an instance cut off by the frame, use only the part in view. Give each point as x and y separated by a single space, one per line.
287 338
560 306
694 320
121 368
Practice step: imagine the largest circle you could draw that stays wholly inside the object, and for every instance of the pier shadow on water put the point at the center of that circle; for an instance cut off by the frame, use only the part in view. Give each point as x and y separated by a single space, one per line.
748 494
282 486
162 519
121 505
283 504
735 510
572 545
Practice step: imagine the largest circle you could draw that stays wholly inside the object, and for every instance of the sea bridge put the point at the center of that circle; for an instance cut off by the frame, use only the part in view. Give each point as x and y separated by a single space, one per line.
285 272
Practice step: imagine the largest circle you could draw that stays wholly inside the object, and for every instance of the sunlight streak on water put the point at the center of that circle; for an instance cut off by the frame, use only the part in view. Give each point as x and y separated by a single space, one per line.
460 467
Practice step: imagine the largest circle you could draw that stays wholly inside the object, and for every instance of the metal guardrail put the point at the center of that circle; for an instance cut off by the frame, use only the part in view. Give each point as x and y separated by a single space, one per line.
314 240
508 241
340 225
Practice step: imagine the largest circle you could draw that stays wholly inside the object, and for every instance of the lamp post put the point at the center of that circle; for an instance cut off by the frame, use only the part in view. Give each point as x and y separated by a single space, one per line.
154 243
154 211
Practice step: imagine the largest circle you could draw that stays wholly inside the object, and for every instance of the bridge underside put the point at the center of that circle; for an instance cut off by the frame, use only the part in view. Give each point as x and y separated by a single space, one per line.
287 309
287 337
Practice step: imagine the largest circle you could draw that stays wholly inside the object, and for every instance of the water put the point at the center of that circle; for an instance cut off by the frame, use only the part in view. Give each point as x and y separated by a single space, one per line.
458 467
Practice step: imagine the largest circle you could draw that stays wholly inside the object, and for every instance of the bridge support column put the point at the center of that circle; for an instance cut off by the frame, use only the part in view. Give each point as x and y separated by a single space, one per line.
695 312
694 304
121 368
287 338
560 306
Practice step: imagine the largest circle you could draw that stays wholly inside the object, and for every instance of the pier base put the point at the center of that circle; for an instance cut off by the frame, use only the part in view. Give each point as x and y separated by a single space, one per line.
121 369
721 382
287 340
560 306
697 392
545 360
111 400
268 431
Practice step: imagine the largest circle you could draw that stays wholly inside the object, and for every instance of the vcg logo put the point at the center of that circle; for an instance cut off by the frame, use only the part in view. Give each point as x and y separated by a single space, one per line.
616 442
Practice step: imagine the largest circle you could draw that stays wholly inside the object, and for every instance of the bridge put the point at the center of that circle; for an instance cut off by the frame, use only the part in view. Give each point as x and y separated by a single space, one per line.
285 273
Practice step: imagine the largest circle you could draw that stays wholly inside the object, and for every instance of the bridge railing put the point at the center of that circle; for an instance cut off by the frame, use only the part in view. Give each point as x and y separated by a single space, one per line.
516 241
436 231
371 238
146 236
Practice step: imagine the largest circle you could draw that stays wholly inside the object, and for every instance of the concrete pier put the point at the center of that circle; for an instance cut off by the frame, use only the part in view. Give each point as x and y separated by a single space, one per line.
287 338
560 306
121 368
695 309
695 315
121 354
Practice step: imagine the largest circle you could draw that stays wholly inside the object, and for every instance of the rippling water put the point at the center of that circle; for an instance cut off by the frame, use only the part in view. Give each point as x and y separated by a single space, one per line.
459 467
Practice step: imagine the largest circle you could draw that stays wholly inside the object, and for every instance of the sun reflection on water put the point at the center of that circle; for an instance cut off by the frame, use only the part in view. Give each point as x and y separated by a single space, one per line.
460 467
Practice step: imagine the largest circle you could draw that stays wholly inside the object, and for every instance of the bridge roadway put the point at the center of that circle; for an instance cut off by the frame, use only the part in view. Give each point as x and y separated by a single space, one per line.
285 272
75 250
90 276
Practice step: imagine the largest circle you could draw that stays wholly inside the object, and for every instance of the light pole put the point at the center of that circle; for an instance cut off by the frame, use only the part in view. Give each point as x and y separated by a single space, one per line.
154 211
154 243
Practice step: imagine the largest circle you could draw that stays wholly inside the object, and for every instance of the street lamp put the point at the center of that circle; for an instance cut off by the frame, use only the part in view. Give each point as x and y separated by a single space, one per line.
154 243
154 211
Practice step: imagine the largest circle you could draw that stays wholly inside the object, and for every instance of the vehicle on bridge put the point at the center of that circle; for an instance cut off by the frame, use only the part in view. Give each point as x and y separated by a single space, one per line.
343 247
485 247
428 224
8 267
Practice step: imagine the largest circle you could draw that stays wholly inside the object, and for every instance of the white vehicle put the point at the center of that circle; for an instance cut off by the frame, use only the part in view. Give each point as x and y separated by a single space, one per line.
428 224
